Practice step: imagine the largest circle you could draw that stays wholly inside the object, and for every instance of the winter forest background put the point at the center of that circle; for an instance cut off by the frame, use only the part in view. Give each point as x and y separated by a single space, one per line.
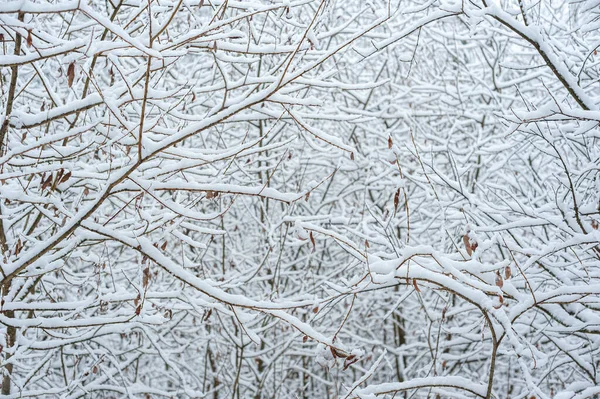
300 199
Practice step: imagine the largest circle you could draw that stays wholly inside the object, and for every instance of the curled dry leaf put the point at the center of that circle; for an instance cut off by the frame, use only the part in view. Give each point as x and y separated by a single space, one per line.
350 360
66 177
71 74
312 240
507 272
146 277
416 285
470 244
390 142
499 281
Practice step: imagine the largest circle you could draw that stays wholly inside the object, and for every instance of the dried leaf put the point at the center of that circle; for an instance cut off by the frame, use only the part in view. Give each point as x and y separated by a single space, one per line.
507 272
499 281
467 244
71 74
29 38
333 352
138 310
396 200
470 244
18 247
336 353
66 177
352 156
48 182
164 246
415 285
312 240
146 277
307 196
316 309
367 245
305 338
390 142
350 360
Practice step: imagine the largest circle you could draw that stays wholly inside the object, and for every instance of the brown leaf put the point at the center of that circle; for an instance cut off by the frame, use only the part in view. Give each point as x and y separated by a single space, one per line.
467 243
29 38
352 156
71 74
312 240
164 246
18 247
307 196
350 360
499 281
210 194
507 272
60 174
305 338
48 181
390 142
146 277
316 309
396 200
138 310
66 177
415 285
336 353
367 245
